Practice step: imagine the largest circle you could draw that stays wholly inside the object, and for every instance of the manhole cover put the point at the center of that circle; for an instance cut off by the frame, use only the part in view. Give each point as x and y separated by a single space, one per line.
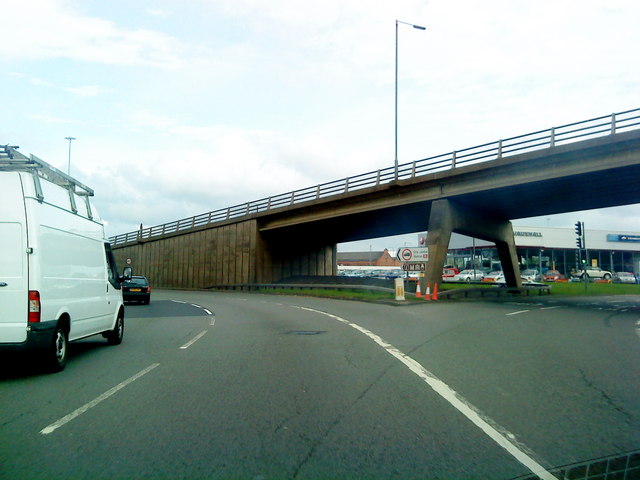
305 332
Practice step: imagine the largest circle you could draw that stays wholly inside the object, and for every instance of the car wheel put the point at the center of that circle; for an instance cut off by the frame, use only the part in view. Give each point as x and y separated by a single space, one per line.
468 279
114 337
55 357
606 276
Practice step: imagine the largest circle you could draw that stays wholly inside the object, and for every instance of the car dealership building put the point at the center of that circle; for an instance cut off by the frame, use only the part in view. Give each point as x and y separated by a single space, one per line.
546 248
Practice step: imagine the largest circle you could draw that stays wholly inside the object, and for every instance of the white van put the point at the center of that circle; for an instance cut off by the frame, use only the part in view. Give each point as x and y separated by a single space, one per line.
58 279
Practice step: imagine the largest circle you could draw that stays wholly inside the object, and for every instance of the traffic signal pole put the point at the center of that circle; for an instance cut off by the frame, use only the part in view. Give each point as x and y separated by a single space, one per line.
581 243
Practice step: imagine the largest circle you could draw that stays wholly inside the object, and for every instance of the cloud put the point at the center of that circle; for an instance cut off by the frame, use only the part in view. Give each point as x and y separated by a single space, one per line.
40 82
87 90
234 100
156 12
53 29
48 119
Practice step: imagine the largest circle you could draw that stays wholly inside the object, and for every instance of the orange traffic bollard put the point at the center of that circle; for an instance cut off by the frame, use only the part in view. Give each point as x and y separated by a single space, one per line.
418 294
435 291
427 294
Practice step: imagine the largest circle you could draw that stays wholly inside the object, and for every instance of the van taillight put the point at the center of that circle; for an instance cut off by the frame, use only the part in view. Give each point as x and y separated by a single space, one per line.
34 306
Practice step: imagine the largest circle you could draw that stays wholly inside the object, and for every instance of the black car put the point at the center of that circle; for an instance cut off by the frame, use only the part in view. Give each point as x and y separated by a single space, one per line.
137 290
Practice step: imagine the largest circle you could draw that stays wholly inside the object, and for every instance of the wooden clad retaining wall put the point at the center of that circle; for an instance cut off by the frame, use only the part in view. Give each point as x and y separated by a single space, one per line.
230 254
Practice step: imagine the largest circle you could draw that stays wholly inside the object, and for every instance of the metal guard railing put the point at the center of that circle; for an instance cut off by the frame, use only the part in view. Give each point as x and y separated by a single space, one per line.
573 132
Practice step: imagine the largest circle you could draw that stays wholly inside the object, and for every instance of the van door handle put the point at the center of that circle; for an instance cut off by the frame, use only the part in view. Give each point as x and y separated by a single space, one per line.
3 284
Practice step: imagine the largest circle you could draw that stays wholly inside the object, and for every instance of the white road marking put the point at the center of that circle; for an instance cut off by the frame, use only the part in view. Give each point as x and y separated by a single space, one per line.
517 313
551 308
504 438
193 340
213 320
195 305
76 413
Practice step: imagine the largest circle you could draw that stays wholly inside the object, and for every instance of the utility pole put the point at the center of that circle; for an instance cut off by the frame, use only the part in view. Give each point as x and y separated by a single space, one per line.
69 161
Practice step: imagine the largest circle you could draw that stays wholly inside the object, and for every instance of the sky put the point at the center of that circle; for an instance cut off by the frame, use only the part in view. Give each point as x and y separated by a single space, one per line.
183 107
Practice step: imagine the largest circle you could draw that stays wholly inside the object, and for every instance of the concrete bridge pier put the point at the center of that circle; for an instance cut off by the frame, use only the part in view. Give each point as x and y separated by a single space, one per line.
447 217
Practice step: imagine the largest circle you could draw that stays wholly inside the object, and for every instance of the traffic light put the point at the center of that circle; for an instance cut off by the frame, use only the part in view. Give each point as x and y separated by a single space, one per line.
579 235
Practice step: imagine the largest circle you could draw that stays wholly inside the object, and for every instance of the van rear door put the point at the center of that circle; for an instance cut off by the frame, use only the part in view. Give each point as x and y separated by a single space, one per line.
13 260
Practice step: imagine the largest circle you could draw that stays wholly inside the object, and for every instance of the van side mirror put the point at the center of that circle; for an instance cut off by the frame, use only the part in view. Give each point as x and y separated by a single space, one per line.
127 273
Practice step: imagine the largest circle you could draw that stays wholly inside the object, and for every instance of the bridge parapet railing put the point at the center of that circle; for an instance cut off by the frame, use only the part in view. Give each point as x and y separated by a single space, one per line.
565 134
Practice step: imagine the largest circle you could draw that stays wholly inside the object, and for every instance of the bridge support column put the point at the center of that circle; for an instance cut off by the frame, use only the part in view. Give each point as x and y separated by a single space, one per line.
447 217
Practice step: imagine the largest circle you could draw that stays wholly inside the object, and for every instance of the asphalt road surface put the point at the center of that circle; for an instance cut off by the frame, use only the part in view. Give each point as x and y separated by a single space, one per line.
237 385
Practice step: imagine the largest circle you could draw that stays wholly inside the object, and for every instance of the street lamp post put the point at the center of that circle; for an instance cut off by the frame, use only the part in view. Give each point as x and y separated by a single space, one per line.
396 105
69 161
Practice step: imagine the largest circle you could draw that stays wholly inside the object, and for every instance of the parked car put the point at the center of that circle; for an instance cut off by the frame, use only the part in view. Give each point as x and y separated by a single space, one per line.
468 276
394 274
494 277
624 277
448 274
593 272
552 276
531 275
137 290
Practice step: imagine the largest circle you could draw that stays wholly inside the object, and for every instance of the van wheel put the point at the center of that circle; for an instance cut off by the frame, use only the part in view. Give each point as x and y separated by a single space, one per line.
114 337
55 356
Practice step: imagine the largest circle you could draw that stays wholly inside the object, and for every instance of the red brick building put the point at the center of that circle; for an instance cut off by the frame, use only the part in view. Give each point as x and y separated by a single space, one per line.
361 259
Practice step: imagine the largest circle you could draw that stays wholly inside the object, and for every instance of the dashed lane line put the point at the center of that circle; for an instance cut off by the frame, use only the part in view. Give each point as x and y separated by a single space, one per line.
76 413
193 340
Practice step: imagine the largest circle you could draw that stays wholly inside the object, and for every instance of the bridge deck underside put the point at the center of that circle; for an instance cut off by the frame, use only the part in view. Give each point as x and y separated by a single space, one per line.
595 174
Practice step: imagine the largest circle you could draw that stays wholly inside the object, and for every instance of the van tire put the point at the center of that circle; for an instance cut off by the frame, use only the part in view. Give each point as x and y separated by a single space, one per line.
55 357
114 337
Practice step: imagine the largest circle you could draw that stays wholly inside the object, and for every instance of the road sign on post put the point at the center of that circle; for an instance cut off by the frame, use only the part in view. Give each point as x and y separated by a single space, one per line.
415 267
420 254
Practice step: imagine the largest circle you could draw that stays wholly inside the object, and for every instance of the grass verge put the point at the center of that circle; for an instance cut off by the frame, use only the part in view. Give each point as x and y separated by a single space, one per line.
346 294
559 289
578 289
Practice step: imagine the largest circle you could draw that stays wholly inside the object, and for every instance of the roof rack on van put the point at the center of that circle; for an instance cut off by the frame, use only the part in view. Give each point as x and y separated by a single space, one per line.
12 160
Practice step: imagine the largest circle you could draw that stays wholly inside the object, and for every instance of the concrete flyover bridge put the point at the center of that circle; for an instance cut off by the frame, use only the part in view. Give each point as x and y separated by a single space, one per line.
475 191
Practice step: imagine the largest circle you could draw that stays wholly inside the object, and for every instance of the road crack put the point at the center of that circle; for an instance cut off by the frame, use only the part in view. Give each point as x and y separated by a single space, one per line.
607 399
318 442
